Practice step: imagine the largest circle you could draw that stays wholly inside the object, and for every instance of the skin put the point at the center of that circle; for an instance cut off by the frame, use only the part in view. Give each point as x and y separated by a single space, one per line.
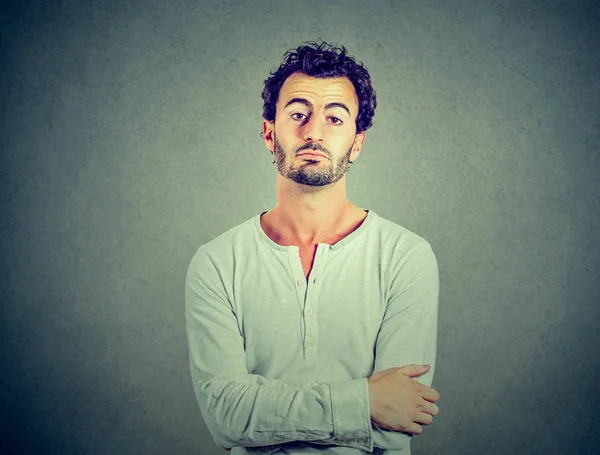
312 206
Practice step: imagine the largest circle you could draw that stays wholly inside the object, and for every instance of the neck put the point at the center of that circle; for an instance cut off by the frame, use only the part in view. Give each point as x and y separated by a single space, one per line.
307 215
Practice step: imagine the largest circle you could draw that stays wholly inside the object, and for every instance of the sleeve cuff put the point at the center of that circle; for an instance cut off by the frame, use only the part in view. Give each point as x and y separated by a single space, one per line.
351 414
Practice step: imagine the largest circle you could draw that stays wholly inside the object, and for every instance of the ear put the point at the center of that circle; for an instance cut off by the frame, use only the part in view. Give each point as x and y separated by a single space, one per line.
268 134
359 140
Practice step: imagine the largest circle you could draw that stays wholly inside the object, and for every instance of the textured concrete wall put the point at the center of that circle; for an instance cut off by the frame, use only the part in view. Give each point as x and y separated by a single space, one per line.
130 136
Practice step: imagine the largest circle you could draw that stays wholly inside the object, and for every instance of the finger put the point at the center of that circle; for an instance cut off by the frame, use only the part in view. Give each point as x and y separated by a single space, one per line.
415 370
424 419
430 394
432 409
428 407
414 428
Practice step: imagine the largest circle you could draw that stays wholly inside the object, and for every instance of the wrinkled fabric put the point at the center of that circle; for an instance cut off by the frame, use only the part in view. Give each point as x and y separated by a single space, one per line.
279 364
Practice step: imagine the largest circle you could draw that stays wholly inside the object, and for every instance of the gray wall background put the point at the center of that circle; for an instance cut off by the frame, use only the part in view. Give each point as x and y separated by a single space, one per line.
130 136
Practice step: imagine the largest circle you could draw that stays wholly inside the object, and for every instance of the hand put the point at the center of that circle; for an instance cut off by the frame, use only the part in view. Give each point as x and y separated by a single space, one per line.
398 402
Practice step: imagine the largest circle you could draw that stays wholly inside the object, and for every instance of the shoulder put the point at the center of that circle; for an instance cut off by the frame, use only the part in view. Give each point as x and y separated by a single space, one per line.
223 249
400 239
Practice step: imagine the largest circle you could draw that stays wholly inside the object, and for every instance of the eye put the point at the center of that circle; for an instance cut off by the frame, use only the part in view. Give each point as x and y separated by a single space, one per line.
298 116
336 121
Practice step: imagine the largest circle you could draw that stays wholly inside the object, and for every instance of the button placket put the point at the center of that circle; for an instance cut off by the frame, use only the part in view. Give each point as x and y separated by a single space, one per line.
310 306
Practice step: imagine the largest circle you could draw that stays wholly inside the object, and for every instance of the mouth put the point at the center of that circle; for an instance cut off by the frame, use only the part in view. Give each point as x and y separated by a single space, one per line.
312 155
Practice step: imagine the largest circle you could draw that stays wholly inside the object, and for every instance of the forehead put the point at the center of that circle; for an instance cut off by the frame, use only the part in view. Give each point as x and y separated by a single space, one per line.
318 90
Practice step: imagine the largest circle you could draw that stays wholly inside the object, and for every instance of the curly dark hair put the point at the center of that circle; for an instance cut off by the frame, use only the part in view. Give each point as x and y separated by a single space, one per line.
324 61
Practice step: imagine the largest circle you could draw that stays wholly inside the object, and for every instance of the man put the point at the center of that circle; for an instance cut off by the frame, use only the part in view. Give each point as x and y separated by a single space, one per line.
290 313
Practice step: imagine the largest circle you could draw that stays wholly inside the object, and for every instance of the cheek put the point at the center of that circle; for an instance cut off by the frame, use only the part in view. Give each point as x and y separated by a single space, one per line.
342 140
285 133
288 138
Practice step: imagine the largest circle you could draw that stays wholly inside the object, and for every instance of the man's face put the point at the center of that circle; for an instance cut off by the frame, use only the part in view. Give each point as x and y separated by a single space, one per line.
314 115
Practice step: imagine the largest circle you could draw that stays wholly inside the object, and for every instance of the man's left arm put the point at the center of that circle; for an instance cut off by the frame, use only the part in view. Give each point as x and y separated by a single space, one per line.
408 333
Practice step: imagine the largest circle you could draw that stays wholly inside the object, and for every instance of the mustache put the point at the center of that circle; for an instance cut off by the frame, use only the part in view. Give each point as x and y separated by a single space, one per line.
313 146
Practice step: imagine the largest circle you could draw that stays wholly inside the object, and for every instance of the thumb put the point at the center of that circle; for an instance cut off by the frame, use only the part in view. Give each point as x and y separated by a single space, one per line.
414 370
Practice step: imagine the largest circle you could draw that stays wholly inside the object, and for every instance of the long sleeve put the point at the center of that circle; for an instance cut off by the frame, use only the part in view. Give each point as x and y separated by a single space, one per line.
408 333
242 409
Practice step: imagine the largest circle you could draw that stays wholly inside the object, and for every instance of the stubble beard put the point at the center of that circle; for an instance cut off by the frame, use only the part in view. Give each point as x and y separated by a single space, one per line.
312 174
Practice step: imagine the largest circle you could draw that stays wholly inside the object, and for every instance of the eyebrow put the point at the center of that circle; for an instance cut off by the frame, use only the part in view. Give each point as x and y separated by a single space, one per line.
307 103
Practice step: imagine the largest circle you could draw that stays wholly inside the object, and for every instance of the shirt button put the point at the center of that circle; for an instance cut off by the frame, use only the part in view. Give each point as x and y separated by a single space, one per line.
299 282
309 311
309 341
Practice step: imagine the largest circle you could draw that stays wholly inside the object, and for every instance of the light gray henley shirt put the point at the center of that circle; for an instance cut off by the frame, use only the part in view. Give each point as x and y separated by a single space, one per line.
281 365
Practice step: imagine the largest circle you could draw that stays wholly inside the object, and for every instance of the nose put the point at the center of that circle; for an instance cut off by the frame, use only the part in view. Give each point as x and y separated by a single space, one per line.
313 130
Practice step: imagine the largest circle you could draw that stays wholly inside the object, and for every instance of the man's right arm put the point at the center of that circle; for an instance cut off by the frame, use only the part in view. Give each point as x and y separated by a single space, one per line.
242 409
